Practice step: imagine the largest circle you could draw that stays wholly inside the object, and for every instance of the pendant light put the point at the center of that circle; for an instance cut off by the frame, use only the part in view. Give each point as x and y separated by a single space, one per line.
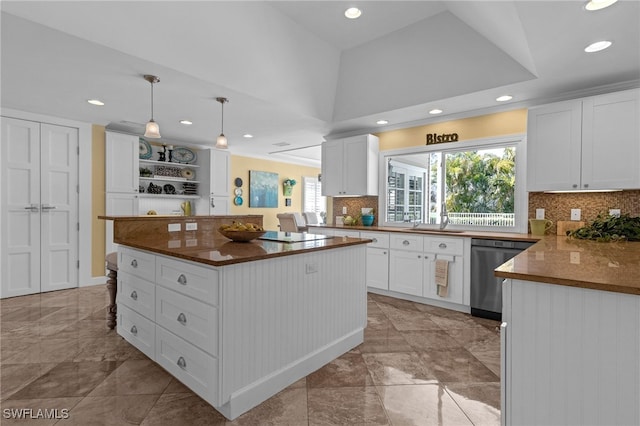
152 130
221 141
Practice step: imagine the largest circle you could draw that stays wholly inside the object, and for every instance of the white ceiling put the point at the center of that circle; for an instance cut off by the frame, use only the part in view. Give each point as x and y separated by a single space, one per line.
296 72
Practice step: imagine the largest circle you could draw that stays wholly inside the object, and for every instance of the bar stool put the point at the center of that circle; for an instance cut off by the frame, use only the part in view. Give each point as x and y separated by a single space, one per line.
112 286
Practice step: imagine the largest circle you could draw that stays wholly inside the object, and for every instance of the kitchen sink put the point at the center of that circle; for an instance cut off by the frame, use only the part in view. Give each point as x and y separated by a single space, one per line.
434 231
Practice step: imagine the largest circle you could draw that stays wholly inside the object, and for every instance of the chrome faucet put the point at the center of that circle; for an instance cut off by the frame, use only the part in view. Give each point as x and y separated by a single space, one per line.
444 216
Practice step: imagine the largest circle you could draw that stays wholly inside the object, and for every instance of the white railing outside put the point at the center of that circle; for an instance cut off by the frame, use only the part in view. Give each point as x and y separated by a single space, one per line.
482 219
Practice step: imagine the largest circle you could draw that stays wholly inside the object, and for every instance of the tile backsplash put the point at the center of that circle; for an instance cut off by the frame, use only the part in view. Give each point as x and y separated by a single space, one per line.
558 206
354 207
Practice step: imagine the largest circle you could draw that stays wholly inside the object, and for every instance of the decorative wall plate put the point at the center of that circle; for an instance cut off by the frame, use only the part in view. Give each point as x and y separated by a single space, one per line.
145 149
238 192
238 181
237 201
183 155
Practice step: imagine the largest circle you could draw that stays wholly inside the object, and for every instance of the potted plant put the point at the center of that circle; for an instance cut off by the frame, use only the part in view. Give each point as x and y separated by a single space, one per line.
288 186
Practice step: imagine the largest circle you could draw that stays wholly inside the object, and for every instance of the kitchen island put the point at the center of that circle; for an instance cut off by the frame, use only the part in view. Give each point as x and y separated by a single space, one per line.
570 336
238 322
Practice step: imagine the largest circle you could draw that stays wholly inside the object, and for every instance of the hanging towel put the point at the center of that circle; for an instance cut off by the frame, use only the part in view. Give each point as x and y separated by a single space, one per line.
442 277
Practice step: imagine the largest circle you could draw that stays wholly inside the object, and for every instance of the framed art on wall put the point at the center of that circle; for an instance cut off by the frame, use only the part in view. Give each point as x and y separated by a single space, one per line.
263 189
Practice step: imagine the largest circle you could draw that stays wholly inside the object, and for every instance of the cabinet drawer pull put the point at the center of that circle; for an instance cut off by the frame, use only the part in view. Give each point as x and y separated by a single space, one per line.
182 319
419 256
134 330
134 295
442 246
182 363
384 252
575 185
586 185
406 243
134 263
375 240
182 279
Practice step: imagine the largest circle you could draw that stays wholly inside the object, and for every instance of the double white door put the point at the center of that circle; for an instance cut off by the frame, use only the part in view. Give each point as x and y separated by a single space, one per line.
39 207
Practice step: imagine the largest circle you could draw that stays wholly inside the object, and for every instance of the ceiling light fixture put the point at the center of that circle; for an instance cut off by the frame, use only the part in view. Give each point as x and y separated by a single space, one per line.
597 46
96 102
353 13
247 136
435 111
186 122
382 122
152 129
504 98
221 141
599 4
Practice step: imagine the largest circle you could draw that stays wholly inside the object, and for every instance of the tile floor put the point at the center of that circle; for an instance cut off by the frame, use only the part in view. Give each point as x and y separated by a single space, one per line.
418 365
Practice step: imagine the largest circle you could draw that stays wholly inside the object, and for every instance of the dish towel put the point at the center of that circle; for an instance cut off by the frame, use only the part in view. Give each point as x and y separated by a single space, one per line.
442 277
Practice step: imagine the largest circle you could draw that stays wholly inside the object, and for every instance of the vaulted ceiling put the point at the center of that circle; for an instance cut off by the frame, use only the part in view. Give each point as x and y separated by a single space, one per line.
296 72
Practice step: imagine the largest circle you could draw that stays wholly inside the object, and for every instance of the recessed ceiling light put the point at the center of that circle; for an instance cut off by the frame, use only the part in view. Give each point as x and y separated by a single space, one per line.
435 111
353 13
382 122
504 98
599 4
186 122
247 135
96 102
597 46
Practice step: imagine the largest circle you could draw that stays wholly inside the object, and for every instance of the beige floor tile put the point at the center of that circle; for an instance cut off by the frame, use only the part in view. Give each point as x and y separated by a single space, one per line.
457 365
110 348
479 401
399 368
421 405
183 410
14 377
348 370
110 410
386 340
430 340
490 358
288 407
476 339
134 377
345 406
44 351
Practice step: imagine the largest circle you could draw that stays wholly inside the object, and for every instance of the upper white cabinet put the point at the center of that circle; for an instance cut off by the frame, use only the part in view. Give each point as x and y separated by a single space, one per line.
585 144
350 166
217 164
122 163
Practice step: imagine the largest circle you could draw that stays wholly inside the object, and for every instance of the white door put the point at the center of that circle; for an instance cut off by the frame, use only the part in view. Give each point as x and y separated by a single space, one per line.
39 234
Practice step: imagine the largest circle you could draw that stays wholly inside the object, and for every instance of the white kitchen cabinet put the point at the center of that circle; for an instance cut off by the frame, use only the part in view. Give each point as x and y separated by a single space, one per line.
350 166
122 163
216 166
377 259
585 144
407 271
118 204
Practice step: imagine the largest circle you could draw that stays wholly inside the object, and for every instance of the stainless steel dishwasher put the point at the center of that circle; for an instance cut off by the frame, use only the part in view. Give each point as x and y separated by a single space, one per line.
486 289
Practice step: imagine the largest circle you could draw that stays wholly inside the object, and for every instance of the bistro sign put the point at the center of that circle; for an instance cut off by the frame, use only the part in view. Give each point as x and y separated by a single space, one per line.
434 138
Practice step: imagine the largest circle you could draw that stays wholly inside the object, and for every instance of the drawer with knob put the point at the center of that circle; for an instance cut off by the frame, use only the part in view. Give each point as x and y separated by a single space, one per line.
410 242
137 330
189 319
137 294
136 262
378 239
193 367
452 246
192 280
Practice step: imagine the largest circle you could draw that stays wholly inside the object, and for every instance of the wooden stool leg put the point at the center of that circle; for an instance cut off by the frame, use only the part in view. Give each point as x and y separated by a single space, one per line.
112 283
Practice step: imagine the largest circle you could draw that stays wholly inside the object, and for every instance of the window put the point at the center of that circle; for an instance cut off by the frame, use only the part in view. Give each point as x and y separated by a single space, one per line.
312 199
475 183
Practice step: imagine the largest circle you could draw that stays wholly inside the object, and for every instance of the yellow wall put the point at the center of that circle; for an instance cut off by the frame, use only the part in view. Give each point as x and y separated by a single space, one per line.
483 126
240 167
97 200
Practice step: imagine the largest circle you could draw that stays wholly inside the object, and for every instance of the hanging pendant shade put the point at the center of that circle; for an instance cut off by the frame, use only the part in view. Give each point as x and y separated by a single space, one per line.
221 141
152 130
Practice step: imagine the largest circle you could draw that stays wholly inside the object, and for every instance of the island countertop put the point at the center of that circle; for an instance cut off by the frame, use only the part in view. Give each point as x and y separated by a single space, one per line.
578 263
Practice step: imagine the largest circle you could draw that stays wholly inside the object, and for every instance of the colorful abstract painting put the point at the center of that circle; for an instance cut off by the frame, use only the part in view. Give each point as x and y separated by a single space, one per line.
263 189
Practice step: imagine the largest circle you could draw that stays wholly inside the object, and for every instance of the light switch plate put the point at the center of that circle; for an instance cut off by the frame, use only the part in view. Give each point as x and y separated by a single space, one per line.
539 213
344 210
575 214
191 226
174 227
614 212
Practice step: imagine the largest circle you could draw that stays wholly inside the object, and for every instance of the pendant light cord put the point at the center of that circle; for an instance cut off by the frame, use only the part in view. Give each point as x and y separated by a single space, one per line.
151 101
222 123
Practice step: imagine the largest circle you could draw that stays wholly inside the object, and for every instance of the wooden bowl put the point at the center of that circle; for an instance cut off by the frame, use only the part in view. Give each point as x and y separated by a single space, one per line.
241 236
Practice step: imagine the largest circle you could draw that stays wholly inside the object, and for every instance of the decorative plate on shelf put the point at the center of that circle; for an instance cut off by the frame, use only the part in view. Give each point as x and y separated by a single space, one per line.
145 149
187 173
169 189
183 155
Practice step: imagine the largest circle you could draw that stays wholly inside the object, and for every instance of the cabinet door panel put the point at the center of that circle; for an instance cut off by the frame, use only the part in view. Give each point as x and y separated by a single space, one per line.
332 172
553 147
405 272
378 268
122 163
611 141
455 279
355 166
219 173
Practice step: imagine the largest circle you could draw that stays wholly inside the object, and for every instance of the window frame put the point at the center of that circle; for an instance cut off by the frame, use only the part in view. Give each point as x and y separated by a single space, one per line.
318 194
521 202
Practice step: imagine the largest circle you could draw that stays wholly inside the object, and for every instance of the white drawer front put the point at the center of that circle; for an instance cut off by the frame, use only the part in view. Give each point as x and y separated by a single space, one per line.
199 282
137 263
380 239
137 330
320 231
194 321
137 294
453 246
193 367
346 233
406 242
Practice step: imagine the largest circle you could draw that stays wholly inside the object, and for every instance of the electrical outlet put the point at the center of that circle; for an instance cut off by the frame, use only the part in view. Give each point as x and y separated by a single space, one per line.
539 213
574 257
174 227
614 212
344 210
191 226
575 214
311 268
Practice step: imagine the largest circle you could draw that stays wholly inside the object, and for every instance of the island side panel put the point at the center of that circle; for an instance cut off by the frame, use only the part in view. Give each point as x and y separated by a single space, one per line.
573 355
284 318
